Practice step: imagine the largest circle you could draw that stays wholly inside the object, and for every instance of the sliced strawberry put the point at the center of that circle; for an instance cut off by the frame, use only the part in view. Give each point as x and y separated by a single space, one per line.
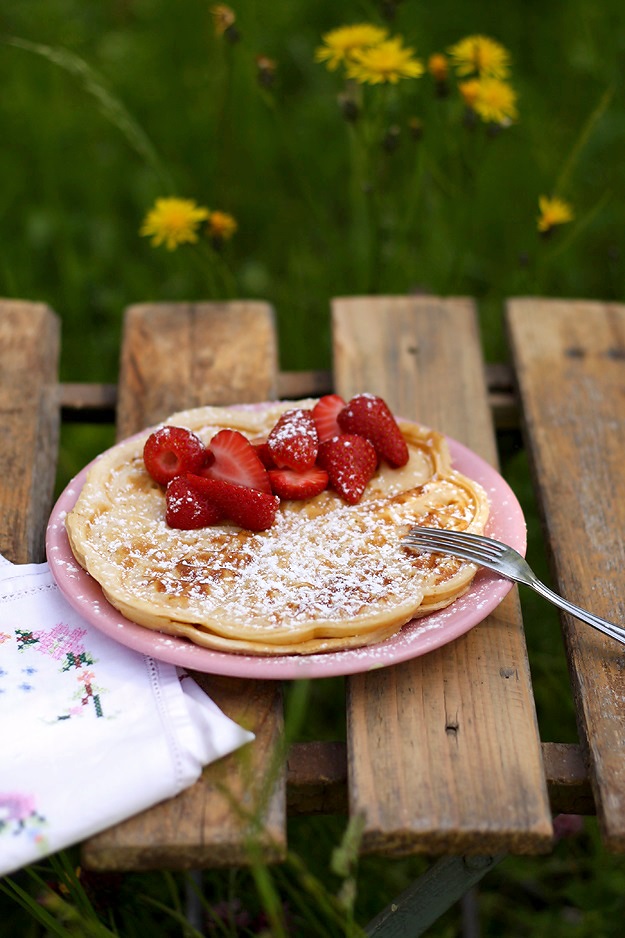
187 508
236 460
293 442
370 416
350 461
171 451
286 483
245 506
325 413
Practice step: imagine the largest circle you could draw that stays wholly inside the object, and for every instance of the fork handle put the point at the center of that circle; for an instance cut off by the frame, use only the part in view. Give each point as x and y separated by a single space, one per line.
608 628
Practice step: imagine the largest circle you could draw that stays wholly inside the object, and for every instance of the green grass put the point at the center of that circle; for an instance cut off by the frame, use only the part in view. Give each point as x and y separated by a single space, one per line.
107 106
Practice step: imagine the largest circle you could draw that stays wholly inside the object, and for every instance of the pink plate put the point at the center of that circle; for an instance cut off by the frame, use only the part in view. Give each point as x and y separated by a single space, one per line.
506 523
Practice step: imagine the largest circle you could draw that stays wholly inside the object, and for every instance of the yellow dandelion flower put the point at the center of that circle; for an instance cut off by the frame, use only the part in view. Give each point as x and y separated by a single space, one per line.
438 66
340 44
553 211
224 18
479 55
221 225
495 101
173 221
385 63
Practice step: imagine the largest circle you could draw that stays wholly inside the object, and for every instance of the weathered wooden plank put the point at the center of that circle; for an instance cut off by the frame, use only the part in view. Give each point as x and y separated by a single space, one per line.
29 415
175 357
570 363
444 754
227 353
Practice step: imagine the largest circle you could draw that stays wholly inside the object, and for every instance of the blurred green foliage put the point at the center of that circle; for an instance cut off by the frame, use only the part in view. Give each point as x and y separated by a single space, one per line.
78 174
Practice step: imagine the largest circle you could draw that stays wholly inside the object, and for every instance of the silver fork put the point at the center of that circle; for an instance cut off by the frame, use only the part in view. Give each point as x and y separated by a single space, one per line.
504 560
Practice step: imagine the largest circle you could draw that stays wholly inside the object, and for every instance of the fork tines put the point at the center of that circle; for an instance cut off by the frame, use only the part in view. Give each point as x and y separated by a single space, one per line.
431 538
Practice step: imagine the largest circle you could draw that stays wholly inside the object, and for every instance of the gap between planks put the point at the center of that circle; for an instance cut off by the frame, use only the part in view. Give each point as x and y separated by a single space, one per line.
317 779
96 402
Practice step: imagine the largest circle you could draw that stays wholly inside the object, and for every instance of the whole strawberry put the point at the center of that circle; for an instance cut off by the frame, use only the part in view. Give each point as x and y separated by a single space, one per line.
350 461
369 416
293 441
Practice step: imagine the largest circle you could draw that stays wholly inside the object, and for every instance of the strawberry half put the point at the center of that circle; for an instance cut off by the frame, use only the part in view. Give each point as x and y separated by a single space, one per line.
350 461
286 483
236 460
186 508
245 506
370 416
171 451
325 413
293 442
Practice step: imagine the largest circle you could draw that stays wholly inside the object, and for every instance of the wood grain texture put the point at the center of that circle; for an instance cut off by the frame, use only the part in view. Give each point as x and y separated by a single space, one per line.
29 415
570 364
443 751
199 353
174 357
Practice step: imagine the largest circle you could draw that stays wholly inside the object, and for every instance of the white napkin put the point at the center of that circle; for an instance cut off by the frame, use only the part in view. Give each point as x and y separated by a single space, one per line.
91 732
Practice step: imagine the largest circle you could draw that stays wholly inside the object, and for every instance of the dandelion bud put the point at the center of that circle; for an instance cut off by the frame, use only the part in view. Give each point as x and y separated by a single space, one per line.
265 71
221 227
225 19
415 128
391 139
389 9
438 67
349 107
470 91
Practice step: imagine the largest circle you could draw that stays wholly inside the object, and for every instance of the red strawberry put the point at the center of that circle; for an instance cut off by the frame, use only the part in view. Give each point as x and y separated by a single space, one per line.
286 483
293 441
325 413
350 461
235 460
264 454
171 451
370 416
247 507
186 508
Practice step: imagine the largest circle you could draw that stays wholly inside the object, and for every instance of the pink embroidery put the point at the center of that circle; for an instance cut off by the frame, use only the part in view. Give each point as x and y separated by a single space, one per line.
19 817
61 641
15 806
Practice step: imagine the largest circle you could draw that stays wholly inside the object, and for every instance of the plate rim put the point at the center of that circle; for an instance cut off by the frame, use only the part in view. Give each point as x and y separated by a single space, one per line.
430 632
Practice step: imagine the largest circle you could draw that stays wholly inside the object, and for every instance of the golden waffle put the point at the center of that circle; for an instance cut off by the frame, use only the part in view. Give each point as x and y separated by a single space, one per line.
327 576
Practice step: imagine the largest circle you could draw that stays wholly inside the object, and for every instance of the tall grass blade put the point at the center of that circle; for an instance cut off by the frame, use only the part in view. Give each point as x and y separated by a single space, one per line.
10 888
112 108
583 138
